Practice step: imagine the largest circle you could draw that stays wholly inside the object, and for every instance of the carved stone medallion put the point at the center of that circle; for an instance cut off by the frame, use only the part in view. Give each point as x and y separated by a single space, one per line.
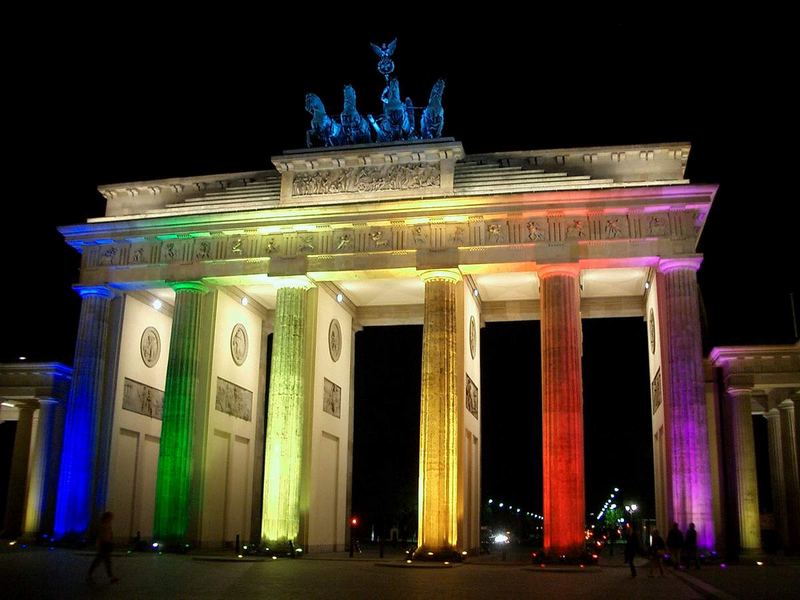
239 344
335 340
150 346
652 327
472 336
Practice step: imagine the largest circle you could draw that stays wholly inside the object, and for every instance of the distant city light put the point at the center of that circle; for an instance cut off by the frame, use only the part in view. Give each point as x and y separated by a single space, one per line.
500 538
616 489
23 358
500 505
490 500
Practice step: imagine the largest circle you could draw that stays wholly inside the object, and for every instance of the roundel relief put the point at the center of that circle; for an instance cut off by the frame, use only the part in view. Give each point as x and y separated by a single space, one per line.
652 327
150 346
335 340
239 344
472 336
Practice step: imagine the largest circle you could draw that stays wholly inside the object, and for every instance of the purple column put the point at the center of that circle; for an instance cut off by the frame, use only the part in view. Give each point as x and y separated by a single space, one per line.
689 464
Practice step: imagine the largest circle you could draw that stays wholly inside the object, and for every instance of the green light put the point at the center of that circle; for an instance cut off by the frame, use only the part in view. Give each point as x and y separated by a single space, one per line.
175 453
167 236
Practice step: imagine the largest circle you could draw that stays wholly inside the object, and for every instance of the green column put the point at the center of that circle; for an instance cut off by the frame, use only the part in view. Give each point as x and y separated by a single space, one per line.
180 395
286 418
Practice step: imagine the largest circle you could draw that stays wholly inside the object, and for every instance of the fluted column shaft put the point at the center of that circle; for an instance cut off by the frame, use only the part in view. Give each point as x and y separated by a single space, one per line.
685 402
744 469
562 411
286 417
790 471
776 474
41 486
17 480
439 417
82 421
173 484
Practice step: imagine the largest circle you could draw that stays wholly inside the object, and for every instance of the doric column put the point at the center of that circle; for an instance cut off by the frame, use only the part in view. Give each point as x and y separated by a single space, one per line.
562 410
286 415
177 426
41 486
17 480
684 397
776 474
745 482
439 418
81 430
790 471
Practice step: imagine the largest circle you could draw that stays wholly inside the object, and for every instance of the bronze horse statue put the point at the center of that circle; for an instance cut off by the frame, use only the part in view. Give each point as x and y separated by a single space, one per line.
432 119
355 128
324 130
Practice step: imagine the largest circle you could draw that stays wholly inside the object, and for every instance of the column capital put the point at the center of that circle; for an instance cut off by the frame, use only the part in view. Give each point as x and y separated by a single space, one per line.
739 390
665 265
786 404
451 275
188 286
294 281
772 414
568 269
102 291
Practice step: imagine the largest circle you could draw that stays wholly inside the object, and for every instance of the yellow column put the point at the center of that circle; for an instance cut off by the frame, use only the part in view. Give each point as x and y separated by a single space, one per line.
286 418
439 419
740 426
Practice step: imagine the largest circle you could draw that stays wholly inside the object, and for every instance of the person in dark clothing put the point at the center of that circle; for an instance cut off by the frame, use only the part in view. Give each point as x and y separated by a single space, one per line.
690 547
105 544
675 545
632 547
657 548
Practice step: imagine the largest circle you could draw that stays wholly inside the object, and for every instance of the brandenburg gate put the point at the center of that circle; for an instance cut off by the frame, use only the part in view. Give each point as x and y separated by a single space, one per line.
183 279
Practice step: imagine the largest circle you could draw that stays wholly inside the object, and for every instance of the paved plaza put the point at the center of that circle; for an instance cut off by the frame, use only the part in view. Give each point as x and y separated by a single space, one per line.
39 573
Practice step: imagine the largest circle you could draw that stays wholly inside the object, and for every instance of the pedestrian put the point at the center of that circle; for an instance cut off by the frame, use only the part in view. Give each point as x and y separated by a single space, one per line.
105 544
690 547
657 548
675 545
632 547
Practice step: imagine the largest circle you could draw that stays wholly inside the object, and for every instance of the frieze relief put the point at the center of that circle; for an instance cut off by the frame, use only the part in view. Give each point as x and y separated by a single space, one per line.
387 178
397 236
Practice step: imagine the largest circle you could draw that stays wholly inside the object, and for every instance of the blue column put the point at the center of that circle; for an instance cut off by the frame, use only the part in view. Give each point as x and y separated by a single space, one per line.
74 504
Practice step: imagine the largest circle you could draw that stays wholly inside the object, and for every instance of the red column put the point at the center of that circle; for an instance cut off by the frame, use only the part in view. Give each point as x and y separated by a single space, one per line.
562 410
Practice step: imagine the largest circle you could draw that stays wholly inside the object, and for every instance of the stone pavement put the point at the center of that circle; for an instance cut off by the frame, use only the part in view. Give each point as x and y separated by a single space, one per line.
39 573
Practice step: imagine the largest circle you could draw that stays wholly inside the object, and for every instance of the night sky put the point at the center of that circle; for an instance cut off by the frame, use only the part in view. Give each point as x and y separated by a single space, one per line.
137 97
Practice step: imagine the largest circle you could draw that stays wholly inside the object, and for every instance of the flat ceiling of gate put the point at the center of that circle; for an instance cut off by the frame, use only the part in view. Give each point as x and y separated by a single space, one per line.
381 292
492 287
605 283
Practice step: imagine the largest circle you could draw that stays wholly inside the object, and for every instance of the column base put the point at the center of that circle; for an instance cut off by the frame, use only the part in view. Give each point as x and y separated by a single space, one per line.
582 557
437 555
282 549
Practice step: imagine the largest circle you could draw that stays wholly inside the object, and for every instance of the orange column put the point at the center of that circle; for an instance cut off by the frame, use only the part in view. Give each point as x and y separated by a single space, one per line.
562 410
